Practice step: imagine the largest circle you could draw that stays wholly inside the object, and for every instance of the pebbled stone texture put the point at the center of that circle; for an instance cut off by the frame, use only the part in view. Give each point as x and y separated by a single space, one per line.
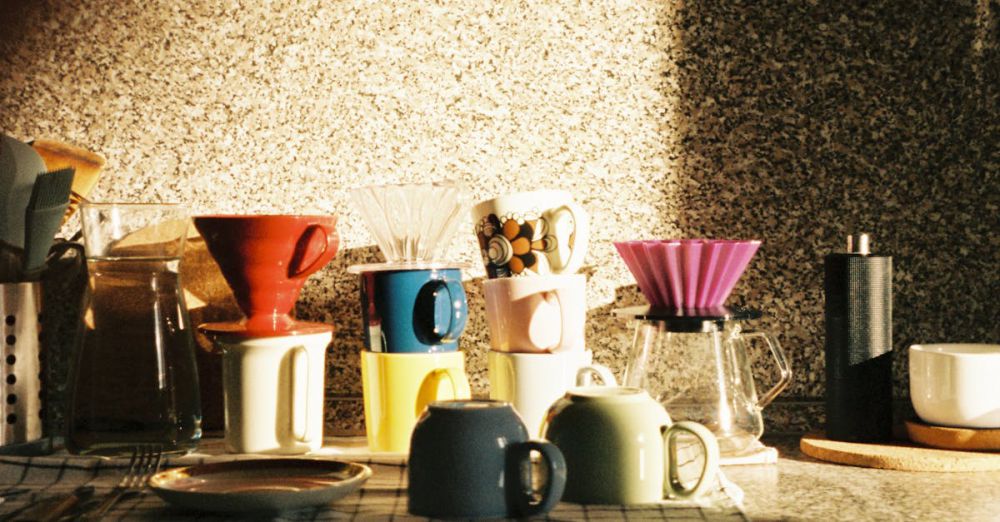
793 122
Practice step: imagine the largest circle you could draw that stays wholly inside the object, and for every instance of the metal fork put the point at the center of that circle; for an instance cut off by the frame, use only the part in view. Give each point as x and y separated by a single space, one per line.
144 464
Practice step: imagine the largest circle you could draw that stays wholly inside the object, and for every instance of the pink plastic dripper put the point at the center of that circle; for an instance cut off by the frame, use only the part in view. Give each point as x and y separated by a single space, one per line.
687 273
741 252
631 252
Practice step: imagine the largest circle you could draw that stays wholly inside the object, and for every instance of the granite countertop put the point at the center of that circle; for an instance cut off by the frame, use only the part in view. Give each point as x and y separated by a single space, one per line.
797 488
803 488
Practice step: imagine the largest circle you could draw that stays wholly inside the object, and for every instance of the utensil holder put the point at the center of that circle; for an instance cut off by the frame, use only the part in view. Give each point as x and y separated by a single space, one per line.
20 378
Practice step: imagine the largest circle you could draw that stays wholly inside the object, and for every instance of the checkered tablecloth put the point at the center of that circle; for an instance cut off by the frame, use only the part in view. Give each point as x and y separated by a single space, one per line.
25 481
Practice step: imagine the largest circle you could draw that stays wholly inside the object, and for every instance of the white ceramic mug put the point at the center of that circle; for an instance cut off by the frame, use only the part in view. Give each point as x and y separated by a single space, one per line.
531 382
274 392
537 314
531 233
956 384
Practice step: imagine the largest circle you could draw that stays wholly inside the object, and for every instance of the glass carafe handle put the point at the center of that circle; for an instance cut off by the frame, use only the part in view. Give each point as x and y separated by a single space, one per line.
300 394
783 368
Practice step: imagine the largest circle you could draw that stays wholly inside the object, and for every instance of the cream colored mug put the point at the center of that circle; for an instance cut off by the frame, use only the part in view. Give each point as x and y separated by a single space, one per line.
531 233
531 382
274 392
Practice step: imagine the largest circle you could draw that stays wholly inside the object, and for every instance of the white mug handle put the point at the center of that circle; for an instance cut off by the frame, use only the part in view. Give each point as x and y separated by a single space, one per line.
584 375
581 237
672 487
300 394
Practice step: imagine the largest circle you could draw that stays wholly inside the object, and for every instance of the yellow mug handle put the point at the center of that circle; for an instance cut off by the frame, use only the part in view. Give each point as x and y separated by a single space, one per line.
431 386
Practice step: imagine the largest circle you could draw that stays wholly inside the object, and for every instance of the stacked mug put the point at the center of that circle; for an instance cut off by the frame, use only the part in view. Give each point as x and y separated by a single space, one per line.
532 244
413 307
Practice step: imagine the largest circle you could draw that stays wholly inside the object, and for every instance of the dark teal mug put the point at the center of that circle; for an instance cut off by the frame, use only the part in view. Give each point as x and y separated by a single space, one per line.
472 459
413 311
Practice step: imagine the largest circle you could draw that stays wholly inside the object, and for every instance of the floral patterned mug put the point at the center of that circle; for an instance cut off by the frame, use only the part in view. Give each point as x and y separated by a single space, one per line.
531 233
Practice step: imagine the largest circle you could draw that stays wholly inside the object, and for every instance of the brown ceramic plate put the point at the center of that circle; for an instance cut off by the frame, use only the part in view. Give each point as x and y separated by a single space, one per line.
264 485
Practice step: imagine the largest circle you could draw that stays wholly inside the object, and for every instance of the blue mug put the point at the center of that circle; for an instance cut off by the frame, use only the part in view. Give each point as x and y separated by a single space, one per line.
413 311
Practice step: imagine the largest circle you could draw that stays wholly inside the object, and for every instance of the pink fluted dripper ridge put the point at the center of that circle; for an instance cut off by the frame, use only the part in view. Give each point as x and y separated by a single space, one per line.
687 273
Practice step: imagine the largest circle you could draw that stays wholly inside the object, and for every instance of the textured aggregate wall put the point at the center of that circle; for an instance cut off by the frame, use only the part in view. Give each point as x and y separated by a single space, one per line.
792 122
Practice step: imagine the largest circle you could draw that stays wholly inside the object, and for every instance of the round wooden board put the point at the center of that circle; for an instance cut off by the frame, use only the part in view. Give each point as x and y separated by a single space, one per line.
896 455
953 438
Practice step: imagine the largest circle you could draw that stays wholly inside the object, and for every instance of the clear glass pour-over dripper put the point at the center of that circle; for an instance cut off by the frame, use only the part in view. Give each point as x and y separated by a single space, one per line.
695 362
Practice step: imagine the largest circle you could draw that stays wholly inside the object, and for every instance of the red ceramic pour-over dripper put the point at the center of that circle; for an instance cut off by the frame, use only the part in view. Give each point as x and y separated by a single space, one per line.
266 260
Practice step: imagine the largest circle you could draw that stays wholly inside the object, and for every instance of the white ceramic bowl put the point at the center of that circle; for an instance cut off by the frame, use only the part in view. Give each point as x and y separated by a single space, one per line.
956 384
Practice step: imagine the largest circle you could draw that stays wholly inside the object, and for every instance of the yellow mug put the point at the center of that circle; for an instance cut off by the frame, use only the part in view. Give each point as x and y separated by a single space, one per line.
397 388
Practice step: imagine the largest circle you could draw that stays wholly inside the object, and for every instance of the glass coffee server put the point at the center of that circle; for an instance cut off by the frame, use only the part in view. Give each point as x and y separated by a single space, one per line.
695 362
134 383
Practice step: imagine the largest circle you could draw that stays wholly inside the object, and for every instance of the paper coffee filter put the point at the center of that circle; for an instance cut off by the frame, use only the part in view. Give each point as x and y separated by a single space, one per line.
687 273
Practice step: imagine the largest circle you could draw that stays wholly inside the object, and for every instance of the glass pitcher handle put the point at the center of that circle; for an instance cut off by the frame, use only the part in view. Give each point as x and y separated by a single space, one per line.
783 368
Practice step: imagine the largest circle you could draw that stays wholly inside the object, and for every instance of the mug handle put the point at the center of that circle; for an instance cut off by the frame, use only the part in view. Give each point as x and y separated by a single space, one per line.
317 263
562 310
783 368
300 374
457 305
671 483
584 375
456 378
519 487
581 236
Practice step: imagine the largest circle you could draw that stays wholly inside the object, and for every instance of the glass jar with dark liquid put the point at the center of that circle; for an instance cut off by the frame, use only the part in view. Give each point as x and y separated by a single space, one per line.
134 381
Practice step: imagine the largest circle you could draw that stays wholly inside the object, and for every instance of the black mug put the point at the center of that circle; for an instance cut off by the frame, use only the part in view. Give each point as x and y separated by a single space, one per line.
472 459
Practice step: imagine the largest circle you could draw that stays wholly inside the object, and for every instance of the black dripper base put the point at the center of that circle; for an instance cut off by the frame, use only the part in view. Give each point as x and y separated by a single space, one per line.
687 320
